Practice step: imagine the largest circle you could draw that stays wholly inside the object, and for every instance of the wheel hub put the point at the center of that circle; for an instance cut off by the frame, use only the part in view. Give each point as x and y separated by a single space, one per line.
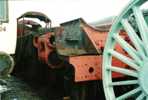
144 76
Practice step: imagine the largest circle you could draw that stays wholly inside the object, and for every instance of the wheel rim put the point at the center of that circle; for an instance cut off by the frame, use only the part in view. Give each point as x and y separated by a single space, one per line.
136 57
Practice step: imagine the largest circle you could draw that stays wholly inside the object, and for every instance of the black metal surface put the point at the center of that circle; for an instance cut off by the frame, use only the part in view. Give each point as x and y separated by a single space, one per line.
33 14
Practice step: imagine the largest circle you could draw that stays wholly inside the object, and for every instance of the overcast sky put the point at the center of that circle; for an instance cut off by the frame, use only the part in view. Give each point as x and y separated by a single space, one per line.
63 10
58 11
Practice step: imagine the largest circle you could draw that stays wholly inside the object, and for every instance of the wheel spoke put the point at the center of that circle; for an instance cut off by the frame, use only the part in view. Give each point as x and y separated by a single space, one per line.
128 48
124 59
146 97
141 96
142 25
127 82
128 94
123 71
133 37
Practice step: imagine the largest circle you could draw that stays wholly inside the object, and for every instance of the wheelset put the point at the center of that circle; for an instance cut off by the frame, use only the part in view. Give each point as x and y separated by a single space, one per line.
133 21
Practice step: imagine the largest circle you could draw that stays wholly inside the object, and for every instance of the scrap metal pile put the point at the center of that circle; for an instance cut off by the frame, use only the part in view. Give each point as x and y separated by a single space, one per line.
70 61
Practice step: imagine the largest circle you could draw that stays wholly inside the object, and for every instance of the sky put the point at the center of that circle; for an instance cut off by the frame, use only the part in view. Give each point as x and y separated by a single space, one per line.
64 10
58 11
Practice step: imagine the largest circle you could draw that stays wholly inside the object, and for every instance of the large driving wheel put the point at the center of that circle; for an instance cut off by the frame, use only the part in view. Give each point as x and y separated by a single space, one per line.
133 21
